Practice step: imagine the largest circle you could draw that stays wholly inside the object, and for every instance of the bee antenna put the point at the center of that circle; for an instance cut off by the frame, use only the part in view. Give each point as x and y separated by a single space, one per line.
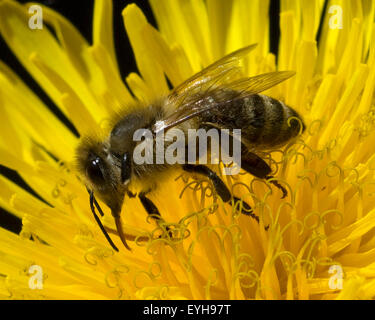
98 207
93 204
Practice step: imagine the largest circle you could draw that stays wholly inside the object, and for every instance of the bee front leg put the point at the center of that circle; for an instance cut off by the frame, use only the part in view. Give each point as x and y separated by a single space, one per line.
149 206
152 210
220 187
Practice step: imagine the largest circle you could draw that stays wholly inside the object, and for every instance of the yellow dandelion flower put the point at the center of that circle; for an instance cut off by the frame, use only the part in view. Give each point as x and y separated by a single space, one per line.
320 243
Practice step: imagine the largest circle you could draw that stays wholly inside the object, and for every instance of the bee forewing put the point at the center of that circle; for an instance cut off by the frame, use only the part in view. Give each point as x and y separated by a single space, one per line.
260 82
223 94
218 72
215 86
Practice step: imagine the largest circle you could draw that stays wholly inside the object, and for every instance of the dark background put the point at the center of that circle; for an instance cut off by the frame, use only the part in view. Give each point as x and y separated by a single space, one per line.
79 12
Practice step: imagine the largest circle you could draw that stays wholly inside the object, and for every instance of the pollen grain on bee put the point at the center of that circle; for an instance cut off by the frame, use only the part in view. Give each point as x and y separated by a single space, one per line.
179 146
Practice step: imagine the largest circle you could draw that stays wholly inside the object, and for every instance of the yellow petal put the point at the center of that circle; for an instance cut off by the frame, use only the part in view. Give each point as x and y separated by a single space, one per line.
151 72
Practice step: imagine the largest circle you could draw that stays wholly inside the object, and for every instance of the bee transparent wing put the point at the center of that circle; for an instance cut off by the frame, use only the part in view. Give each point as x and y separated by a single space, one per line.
259 83
221 71
219 95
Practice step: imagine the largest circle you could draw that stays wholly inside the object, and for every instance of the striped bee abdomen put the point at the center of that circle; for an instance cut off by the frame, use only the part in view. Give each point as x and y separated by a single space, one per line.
280 122
263 120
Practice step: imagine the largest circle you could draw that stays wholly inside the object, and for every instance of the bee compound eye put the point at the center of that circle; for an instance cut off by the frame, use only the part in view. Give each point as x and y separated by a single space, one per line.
94 171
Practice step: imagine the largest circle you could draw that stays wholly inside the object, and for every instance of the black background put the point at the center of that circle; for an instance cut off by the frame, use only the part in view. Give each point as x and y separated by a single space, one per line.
79 12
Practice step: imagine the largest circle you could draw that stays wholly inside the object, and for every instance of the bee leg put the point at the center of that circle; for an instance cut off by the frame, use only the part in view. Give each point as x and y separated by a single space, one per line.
246 209
278 185
152 210
255 165
220 187
252 163
149 206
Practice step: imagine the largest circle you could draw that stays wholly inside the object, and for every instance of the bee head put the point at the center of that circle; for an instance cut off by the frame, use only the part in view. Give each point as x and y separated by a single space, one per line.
105 174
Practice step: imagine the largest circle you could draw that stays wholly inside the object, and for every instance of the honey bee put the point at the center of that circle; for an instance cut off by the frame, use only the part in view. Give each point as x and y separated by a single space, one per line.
216 97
